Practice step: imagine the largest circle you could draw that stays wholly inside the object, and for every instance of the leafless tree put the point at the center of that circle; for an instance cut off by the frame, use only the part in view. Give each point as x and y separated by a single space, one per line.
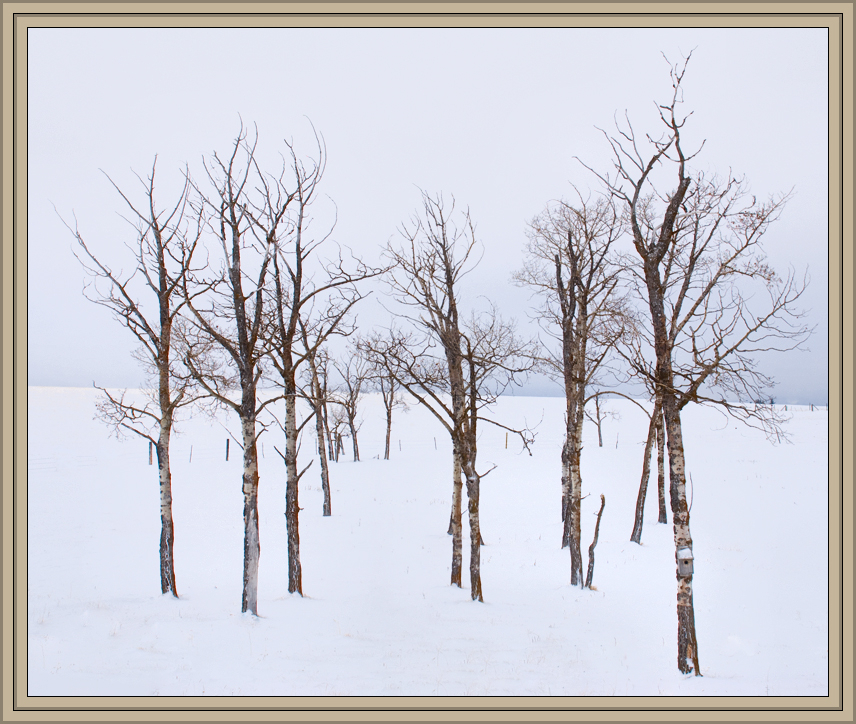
600 413
227 312
310 299
571 263
354 372
385 383
699 250
163 249
470 360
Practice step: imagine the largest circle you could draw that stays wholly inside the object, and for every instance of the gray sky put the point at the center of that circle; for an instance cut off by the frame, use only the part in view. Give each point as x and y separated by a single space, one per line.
493 116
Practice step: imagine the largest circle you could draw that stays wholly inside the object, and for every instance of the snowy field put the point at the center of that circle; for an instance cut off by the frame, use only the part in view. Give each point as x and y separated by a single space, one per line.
379 617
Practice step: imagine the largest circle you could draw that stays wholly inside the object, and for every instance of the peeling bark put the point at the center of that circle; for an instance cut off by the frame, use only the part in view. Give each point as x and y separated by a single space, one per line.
473 481
292 509
455 527
249 598
167 536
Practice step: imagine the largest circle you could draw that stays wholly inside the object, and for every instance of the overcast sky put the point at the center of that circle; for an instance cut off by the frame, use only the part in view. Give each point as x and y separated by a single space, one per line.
493 116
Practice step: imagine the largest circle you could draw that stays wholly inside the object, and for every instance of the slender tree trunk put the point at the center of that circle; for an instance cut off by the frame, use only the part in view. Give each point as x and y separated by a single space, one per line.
469 470
566 490
455 527
292 509
636 535
331 453
322 456
590 573
167 536
687 642
388 431
249 599
574 531
354 440
599 421
661 473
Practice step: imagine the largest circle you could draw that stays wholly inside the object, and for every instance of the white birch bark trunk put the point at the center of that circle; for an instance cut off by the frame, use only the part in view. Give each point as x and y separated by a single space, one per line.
574 528
469 471
292 509
322 456
252 548
687 642
455 527
167 536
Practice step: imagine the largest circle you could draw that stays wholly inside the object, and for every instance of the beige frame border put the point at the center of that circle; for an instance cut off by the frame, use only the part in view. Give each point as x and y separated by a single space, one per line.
17 17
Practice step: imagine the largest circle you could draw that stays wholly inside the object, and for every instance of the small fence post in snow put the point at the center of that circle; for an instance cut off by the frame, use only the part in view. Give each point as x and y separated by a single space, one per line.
191 454
506 441
150 452
435 443
227 449
616 441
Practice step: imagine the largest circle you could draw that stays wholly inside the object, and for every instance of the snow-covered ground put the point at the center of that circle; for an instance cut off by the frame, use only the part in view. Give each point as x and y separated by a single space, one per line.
379 617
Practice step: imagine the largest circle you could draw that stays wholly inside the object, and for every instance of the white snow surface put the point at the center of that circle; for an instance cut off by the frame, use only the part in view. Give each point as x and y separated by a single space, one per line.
379 616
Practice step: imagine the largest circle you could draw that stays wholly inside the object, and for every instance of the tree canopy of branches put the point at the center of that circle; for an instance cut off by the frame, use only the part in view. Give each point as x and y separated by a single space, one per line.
310 302
470 359
354 372
164 248
571 264
227 313
698 248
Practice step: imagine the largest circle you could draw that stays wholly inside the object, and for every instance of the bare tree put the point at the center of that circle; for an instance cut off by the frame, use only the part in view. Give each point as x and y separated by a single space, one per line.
385 383
445 355
227 311
600 413
698 249
310 300
163 252
571 264
354 372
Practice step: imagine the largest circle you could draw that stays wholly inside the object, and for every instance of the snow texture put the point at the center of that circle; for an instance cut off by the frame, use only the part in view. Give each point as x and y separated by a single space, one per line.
379 617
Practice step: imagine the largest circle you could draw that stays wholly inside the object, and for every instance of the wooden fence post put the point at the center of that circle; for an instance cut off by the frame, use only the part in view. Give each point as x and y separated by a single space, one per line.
227 449
150 452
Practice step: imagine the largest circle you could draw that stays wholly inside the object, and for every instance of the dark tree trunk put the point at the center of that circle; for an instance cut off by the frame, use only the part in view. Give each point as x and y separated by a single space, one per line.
353 428
636 535
661 472
590 573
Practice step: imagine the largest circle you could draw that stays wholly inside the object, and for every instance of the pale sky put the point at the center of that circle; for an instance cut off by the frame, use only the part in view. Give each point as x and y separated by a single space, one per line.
493 116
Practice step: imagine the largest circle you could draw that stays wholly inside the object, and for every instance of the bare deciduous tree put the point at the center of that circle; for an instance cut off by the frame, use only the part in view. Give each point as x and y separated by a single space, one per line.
310 300
163 251
385 383
446 355
354 371
570 263
227 312
698 250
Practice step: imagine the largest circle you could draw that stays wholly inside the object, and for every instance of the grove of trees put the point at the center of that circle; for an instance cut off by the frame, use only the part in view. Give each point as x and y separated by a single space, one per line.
655 278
